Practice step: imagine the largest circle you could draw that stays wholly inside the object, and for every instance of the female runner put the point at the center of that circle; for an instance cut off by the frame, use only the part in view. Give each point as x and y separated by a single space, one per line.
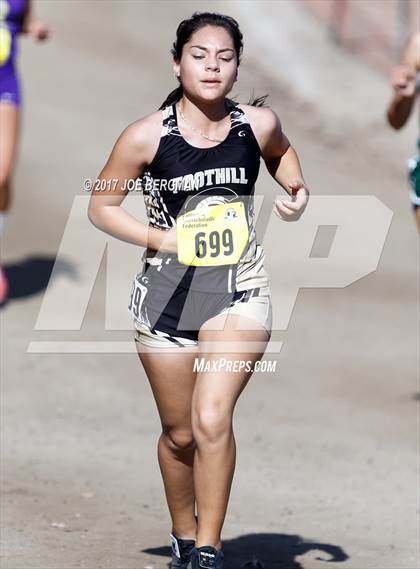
203 289
15 18
405 81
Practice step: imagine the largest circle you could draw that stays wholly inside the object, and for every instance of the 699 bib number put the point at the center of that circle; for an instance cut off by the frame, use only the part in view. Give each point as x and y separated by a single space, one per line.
210 236
214 244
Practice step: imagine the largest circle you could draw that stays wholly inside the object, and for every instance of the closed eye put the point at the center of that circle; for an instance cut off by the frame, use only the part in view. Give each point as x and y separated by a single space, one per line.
202 57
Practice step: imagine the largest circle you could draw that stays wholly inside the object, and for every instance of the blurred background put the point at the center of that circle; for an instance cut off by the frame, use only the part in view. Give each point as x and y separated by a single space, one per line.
374 31
327 446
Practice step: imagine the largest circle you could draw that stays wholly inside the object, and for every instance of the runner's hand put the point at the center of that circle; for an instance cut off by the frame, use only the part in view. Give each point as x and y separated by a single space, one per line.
38 30
292 209
403 80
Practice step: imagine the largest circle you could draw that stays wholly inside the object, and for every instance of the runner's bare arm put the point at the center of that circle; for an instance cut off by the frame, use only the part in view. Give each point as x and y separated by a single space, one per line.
282 163
132 152
403 82
32 26
27 17
411 54
279 155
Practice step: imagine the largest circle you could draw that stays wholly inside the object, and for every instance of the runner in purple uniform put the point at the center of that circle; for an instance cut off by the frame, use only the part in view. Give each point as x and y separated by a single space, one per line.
15 18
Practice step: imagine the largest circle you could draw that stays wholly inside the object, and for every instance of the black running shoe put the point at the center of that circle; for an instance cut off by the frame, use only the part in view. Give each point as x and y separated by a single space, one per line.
206 557
181 552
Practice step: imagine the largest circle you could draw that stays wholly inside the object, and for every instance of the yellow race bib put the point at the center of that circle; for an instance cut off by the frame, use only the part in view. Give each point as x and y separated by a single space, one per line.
212 235
5 44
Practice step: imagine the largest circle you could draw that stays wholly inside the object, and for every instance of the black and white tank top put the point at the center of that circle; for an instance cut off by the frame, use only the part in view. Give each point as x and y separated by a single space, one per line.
181 176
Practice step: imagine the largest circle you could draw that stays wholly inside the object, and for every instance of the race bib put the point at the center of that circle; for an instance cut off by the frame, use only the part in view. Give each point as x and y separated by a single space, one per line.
212 235
138 293
5 44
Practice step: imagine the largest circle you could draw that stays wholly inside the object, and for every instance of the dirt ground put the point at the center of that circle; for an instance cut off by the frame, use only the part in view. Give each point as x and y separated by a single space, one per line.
327 446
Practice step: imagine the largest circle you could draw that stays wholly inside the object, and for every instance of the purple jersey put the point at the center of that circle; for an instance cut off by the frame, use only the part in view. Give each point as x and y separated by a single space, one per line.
11 20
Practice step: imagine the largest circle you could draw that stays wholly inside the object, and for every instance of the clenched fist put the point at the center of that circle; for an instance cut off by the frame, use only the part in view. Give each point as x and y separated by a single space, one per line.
292 209
403 80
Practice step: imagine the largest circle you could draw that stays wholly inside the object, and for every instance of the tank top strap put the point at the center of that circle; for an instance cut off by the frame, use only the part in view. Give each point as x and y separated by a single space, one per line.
241 125
169 124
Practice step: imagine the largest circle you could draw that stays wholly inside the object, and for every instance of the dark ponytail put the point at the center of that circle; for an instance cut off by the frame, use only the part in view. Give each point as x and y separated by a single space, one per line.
183 34
257 101
173 97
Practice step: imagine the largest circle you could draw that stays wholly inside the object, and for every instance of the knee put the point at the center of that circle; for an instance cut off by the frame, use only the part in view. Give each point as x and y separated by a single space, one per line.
4 180
4 193
211 423
179 440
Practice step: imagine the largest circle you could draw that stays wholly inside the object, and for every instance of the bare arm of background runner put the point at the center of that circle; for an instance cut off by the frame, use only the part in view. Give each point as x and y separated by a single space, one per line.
33 27
403 81
132 152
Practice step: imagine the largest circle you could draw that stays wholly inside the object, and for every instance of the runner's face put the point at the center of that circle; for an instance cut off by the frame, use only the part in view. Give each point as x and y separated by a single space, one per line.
208 55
